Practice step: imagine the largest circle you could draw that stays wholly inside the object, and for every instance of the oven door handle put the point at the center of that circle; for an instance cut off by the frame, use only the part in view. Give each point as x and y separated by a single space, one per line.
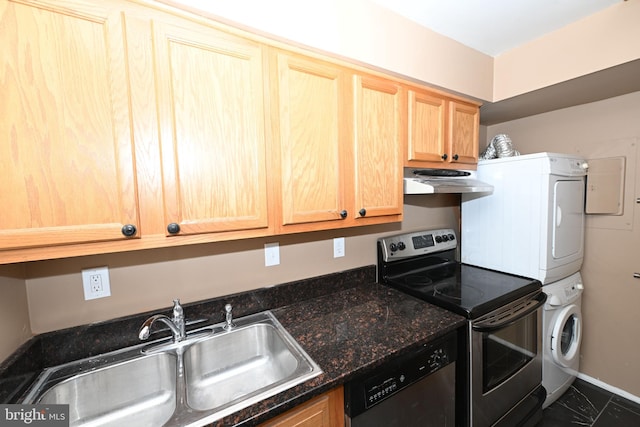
492 324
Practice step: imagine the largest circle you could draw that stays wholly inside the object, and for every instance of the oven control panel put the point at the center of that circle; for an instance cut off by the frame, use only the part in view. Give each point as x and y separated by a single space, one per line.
417 243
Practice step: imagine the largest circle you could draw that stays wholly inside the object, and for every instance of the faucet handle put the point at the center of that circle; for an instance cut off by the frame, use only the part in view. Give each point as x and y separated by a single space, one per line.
178 319
178 312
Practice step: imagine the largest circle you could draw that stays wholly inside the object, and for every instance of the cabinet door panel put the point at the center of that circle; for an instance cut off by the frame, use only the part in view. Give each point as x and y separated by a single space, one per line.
464 130
326 410
426 127
211 112
66 156
379 142
310 140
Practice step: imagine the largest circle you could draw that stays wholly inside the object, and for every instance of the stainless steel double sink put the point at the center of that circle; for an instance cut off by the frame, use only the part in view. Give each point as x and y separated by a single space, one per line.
210 375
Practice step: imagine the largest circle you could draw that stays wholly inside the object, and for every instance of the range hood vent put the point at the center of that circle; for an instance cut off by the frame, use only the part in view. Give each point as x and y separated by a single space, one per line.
431 181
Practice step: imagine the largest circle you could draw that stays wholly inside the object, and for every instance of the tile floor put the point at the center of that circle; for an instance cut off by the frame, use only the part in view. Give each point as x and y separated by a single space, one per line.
585 404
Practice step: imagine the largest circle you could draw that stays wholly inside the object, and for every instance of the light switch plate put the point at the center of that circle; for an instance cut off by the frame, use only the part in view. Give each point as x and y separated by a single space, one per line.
271 254
95 282
338 247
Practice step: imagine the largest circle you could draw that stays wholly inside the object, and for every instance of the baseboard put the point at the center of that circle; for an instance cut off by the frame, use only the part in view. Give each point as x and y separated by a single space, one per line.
608 387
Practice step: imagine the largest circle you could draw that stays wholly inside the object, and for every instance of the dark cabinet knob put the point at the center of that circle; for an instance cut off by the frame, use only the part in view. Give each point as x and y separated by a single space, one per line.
455 157
362 212
129 230
173 228
343 214
444 156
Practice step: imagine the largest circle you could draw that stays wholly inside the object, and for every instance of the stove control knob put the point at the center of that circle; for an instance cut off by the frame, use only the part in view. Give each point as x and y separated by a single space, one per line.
393 247
452 237
445 238
401 246
438 239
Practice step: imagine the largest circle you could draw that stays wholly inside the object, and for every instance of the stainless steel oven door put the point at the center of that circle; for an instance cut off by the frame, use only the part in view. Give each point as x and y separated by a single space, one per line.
506 358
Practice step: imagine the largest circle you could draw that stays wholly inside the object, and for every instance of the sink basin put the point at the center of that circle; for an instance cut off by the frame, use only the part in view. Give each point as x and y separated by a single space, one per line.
242 363
212 374
135 392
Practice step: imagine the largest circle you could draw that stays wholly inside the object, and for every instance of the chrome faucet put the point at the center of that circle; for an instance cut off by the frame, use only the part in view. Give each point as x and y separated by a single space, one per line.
176 324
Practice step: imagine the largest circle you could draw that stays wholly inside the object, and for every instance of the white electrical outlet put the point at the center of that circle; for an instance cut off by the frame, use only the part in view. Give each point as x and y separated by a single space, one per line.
95 282
338 247
271 254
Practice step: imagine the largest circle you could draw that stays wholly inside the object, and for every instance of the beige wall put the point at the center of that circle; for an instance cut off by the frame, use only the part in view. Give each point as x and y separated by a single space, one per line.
597 42
14 311
148 280
611 316
365 32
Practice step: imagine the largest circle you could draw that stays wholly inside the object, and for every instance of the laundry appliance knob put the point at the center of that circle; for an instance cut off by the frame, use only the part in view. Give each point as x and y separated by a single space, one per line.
554 301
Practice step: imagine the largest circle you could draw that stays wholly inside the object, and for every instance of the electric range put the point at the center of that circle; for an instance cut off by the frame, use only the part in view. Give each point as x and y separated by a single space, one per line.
501 380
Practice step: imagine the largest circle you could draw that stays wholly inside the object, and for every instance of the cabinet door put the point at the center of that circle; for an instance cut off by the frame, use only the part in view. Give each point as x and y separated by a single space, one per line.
326 410
426 140
66 153
464 132
312 139
380 123
212 129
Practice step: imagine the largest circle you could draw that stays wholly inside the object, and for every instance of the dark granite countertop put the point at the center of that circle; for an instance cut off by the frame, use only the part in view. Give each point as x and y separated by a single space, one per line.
347 323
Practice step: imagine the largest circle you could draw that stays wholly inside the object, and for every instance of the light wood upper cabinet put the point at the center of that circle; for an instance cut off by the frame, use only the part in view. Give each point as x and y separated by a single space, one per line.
66 156
426 125
134 116
443 133
212 129
379 138
464 132
312 139
340 145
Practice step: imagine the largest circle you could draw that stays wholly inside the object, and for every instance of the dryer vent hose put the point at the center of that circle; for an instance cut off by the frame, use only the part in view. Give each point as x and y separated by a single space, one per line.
500 146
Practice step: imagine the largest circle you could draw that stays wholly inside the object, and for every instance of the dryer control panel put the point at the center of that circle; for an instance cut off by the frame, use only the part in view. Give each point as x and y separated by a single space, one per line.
567 166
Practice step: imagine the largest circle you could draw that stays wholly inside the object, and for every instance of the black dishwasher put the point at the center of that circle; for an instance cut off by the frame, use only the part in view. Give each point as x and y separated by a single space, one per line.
414 390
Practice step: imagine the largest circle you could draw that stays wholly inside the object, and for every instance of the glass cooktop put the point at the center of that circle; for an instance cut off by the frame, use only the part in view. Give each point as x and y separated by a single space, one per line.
464 289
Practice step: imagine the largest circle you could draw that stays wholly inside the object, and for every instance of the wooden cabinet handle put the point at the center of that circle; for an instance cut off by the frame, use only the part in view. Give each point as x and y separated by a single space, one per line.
173 228
444 156
129 230
455 157
362 212
343 214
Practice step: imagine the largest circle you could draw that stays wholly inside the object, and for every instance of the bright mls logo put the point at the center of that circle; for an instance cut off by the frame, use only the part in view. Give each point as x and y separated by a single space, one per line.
34 415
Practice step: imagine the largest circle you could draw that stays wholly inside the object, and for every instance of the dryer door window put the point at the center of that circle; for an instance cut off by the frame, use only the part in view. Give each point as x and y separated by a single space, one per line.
566 335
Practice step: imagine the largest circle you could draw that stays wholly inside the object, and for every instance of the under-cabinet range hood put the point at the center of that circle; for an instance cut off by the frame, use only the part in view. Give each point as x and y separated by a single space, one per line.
430 181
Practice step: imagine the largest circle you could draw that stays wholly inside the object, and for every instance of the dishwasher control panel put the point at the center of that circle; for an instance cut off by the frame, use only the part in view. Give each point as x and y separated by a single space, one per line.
398 374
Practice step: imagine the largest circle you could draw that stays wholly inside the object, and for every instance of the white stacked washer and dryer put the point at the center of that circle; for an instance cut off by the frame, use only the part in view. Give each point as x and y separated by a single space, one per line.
532 225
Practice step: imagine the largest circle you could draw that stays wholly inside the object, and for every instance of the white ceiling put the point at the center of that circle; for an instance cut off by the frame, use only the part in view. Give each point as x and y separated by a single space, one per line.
495 26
